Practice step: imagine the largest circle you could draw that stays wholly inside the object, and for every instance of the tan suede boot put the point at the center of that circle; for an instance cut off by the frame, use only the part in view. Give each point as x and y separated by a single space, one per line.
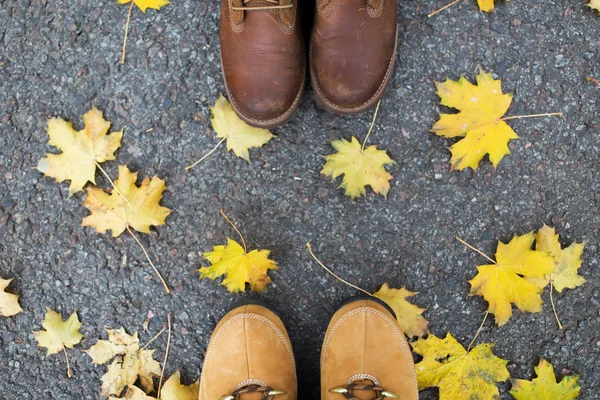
249 357
365 355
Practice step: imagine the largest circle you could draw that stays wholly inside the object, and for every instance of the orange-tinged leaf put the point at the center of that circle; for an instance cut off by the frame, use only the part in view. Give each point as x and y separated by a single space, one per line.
545 385
506 282
9 303
409 316
481 108
81 150
459 374
145 4
361 168
239 267
111 211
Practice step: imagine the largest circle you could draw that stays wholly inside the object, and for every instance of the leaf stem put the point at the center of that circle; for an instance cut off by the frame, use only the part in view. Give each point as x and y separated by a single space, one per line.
439 10
126 32
474 249
162 373
69 373
590 79
560 326
148 258
371 127
205 156
113 184
478 331
155 337
333 274
557 114
236 229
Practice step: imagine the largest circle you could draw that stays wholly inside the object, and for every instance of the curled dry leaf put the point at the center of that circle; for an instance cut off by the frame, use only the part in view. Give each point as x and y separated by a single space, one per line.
508 280
81 150
140 211
130 363
409 316
545 385
459 374
9 303
360 167
481 108
239 267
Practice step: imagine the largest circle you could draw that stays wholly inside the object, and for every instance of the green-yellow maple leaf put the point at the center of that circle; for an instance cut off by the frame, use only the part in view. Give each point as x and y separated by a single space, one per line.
360 166
507 282
566 261
545 386
459 374
58 334
479 120
239 267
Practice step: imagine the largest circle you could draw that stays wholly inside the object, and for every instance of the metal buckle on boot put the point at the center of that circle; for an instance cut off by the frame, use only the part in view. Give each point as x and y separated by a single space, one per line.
351 386
267 392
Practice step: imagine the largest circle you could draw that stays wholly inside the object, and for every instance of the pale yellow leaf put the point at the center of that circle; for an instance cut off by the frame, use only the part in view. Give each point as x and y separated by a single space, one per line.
58 334
174 390
9 303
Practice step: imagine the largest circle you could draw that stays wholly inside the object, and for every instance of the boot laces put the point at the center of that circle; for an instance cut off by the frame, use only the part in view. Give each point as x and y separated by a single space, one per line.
267 392
365 383
272 5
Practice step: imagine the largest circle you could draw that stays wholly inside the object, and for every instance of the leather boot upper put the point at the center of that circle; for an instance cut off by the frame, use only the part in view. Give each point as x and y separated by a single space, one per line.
352 52
262 56
364 345
249 347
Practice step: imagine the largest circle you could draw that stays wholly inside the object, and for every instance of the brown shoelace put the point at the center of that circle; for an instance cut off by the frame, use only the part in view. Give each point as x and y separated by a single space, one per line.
268 392
274 6
348 391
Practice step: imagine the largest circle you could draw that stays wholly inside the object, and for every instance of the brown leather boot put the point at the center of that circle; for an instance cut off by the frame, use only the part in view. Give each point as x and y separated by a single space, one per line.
249 357
262 57
352 52
365 355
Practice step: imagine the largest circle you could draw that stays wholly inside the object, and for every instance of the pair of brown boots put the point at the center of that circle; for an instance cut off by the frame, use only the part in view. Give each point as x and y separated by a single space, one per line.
352 53
365 356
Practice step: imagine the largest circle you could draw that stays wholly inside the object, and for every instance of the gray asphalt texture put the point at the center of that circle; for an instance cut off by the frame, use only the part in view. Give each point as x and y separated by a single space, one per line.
59 58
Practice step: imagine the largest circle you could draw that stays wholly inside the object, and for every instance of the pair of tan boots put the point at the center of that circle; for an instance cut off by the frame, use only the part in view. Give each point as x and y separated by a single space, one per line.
365 356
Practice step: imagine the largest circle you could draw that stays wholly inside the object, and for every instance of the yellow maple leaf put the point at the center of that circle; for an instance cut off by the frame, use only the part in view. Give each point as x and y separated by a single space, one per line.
130 362
566 261
9 303
239 267
459 374
239 135
409 316
506 281
174 390
486 5
143 5
479 120
111 211
594 4
58 334
545 386
81 150
360 166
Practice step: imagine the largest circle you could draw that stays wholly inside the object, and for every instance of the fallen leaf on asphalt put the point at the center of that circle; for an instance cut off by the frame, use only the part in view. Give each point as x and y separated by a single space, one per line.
81 150
139 211
239 267
507 282
545 386
134 393
459 374
130 363
566 261
240 136
143 5
360 166
486 5
9 303
481 108
595 4
409 316
174 390
58 334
